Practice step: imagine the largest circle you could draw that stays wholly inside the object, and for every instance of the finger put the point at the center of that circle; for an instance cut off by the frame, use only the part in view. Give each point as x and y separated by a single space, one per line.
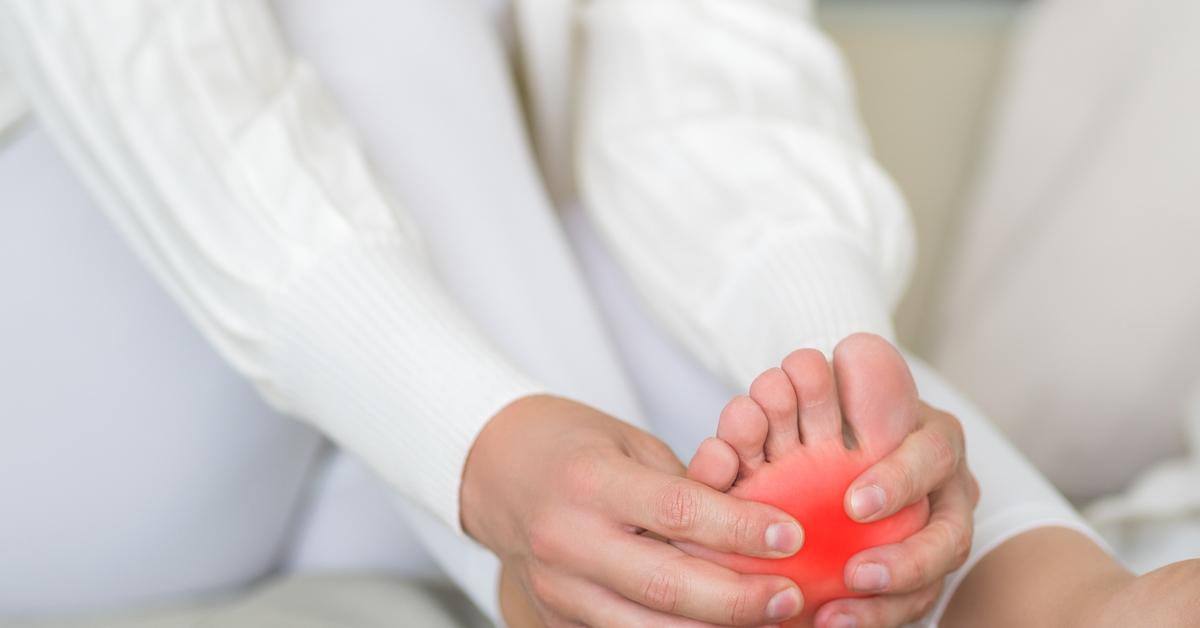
664 579
685 510
879 612
925 557
925 460
588 604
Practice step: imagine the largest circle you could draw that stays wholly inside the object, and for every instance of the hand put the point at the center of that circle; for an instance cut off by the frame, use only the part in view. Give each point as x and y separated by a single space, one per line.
907 577
564 495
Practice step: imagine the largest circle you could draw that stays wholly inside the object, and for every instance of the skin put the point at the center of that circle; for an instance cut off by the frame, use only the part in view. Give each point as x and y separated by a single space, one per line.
564 494
800 438
1047 577
1054 577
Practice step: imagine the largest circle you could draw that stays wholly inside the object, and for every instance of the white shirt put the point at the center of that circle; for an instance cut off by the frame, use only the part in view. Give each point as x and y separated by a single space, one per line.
715 146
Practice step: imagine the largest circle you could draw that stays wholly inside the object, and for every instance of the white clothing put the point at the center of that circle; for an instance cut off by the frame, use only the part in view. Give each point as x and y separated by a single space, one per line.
1157 520
495 246
1071 308
220 158
135 466
1080 249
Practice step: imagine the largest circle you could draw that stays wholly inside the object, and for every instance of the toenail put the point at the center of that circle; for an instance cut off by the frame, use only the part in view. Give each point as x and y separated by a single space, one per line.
866 501
784 604
842 621
784 537
870 578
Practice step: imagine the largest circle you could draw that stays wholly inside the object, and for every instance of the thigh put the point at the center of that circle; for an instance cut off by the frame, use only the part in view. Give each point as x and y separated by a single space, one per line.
126 444
428 86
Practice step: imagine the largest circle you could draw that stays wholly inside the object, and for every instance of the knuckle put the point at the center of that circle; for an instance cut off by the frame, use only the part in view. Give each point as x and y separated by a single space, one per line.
678 508
948 540
541 587
661 590
961 541
957 435
737 607
744 530
903 480
972 488
942 453
544 540
916 566
745 605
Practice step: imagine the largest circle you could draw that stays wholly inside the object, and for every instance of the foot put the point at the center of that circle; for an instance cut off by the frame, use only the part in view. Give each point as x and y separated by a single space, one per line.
798 440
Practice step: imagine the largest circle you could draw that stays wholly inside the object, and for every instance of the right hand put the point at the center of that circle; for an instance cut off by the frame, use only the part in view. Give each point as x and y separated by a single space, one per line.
564 493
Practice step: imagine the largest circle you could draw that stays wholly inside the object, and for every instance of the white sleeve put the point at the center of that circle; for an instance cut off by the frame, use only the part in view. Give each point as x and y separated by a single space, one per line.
720 155
222 161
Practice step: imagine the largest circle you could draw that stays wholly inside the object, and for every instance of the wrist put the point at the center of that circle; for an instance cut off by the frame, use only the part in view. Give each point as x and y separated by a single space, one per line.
480 516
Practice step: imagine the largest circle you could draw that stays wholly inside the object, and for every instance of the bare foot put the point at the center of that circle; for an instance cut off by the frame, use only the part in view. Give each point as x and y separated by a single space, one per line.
786 444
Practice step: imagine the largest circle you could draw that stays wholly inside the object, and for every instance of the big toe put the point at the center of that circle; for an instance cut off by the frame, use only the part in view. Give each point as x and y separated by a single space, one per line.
877 393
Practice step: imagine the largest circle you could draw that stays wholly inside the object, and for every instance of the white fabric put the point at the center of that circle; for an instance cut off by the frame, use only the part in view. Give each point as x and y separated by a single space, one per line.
217 153
1070 310
221 160
459 161
1157 520
135 465
1078 274
1015 499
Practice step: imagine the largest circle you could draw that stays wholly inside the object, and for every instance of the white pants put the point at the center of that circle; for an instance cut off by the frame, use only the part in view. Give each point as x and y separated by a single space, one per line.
427 85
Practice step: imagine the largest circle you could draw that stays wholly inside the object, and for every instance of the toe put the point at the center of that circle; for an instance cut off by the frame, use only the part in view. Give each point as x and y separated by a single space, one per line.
816 396
715 464
744 426
774 393
877 394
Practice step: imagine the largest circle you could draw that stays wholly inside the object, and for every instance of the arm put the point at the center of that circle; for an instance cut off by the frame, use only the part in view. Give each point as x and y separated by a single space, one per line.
218 155
221 160
720 155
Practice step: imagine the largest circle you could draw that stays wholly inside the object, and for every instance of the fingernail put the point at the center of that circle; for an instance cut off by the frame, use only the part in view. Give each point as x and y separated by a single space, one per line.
870 578
784 537
784 604
842 621
866 501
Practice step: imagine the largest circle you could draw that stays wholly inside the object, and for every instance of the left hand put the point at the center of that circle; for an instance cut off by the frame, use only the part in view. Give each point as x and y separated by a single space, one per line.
906 578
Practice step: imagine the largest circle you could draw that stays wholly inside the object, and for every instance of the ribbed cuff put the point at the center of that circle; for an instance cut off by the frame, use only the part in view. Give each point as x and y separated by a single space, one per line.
368 347
792 293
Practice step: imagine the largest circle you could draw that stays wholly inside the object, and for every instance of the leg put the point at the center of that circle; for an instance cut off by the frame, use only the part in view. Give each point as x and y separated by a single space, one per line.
1053 577
427 86
114 410
1015 497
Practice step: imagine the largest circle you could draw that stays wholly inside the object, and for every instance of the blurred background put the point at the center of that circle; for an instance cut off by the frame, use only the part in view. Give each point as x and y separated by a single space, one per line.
1049 152
926 71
